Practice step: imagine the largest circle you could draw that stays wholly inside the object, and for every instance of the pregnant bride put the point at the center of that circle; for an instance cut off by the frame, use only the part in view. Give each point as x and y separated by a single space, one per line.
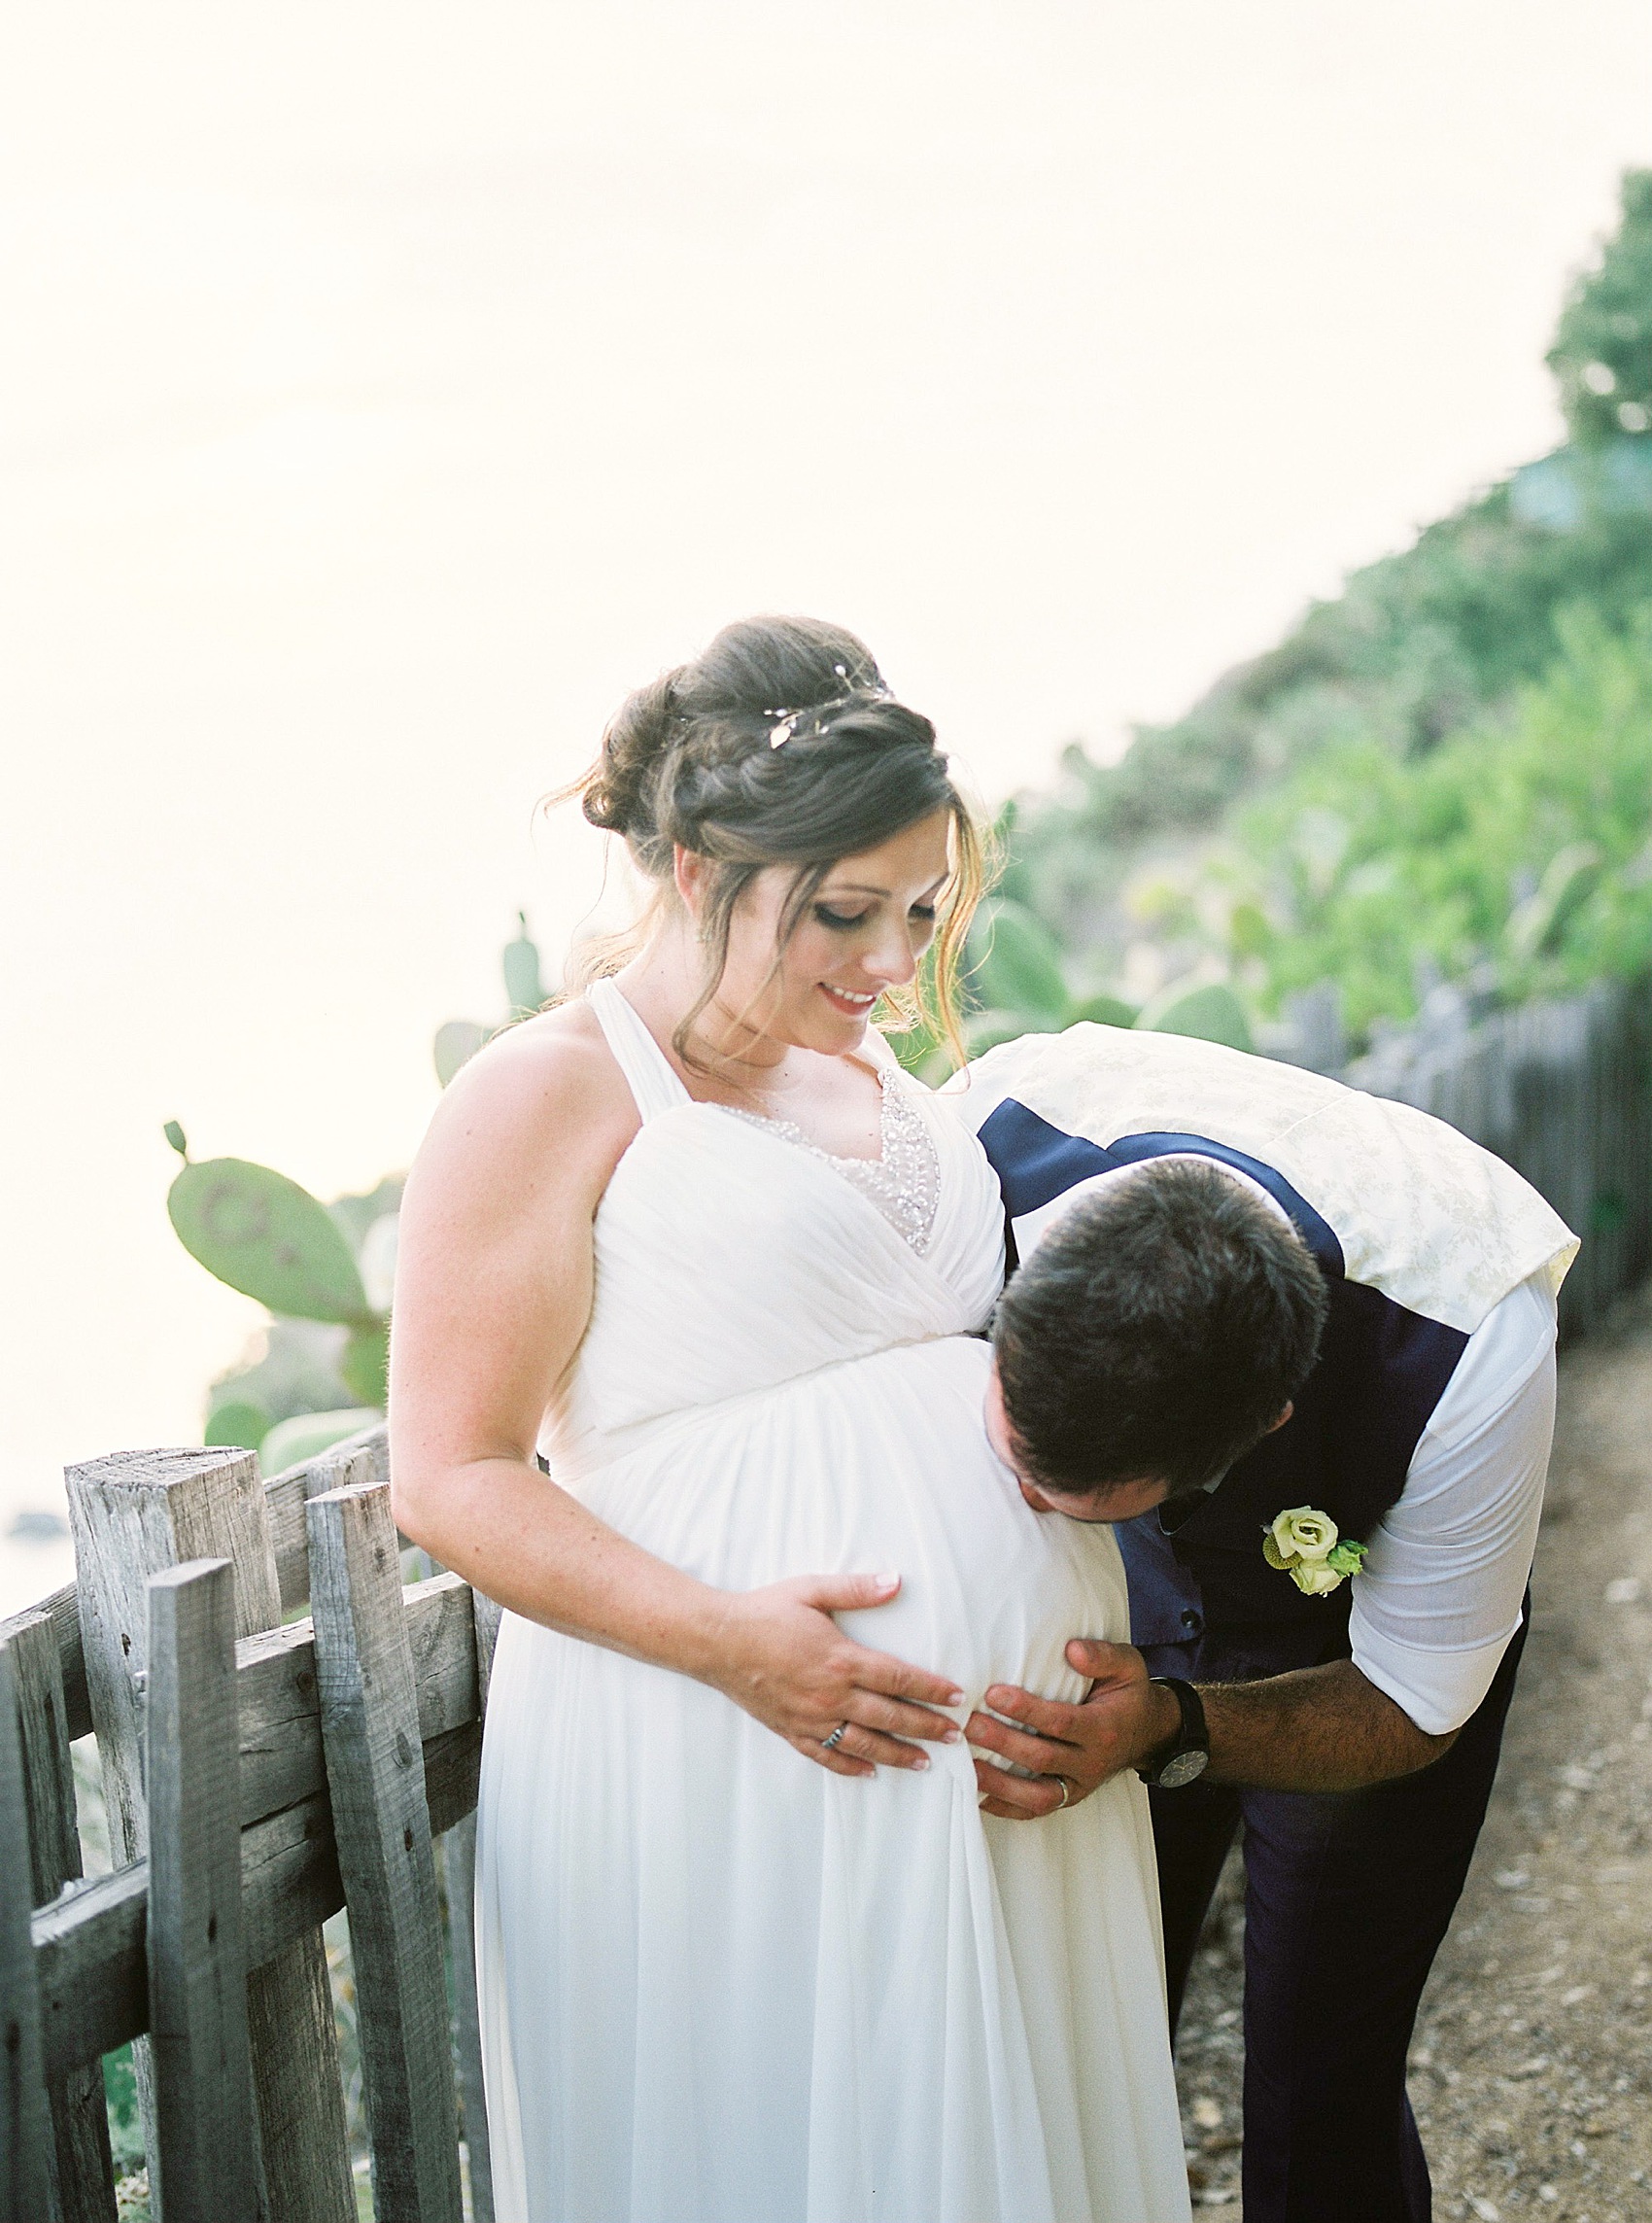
749 1951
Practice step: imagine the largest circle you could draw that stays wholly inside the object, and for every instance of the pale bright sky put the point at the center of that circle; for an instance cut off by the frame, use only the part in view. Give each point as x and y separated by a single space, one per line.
388 388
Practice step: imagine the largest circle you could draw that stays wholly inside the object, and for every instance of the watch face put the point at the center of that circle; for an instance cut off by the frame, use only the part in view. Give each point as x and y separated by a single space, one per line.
1182 1768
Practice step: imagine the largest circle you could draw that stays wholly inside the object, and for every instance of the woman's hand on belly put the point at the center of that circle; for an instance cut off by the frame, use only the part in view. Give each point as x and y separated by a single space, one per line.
778 1653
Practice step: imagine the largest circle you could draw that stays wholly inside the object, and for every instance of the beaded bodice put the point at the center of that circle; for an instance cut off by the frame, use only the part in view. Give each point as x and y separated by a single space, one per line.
731 1257
903 1182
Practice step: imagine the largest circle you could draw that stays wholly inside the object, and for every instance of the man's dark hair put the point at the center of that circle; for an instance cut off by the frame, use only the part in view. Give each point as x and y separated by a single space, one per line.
1156 1333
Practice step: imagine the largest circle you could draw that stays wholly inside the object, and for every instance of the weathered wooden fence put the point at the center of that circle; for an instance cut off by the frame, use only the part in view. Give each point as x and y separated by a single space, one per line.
1561 1091
259 1774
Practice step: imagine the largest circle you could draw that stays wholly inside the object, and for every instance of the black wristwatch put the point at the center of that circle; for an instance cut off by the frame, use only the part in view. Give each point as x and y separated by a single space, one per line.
1187 1759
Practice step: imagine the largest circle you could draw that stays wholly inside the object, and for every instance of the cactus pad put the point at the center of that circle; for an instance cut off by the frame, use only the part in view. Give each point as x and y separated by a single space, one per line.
456 1044
1017 966
1211 1014
268 1238
1106 1011
364 1362
238 1422
523 990
307 1434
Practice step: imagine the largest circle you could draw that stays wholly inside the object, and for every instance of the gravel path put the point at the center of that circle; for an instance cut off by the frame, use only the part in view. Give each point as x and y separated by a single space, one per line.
1531 2064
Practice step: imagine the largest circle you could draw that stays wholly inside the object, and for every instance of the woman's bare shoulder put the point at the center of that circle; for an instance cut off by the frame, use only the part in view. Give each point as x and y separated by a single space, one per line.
544 1102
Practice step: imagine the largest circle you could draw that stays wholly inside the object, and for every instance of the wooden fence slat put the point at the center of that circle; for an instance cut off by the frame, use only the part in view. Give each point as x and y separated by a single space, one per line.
1562 1091
382 1823
62 1609
49 1775
134 1514
89 1944
205 2165
82 2168
460 1856
25 2122
459 1873
280 1713
487 1613
88 1955
362 1458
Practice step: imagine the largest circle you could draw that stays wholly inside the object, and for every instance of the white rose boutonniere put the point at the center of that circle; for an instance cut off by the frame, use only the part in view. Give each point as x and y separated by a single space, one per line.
1304 1545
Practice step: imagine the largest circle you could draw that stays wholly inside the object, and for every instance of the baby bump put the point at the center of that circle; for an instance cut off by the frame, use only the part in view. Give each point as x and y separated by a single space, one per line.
991 1591
881 1464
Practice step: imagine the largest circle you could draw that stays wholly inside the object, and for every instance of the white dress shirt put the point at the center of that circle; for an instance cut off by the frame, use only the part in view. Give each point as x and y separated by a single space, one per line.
1439 1596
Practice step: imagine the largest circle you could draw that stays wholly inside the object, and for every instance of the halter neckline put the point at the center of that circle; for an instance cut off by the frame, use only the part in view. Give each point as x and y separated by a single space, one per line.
902 1182
652 1079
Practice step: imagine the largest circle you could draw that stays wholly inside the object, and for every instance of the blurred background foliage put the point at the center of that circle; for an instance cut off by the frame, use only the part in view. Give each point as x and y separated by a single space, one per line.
1445 774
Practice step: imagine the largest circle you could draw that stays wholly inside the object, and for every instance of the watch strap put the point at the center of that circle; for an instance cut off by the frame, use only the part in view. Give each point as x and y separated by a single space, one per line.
1193 1735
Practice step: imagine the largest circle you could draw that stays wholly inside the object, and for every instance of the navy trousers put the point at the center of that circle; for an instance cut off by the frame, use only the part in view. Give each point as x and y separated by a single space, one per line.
1347 1899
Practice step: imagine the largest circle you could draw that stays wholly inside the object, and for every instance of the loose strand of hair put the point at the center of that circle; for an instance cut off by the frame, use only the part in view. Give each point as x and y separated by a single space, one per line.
714 939
934 999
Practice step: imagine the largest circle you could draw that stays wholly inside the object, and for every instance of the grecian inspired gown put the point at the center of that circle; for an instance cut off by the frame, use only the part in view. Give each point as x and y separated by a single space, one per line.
719 1984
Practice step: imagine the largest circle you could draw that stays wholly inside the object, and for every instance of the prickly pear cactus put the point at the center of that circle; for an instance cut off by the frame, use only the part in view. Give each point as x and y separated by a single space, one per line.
265 1236
358 1215
325 1271
307 1434
1105 1010
1016 965
364 1363
290 1367
458 1040
1213 1013
524 992
237 1422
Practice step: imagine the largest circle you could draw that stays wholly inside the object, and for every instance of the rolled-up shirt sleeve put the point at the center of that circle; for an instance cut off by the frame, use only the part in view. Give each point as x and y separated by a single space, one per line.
1440 1594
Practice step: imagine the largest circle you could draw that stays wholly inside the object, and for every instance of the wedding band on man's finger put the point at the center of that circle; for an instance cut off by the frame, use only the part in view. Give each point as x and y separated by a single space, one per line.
1066 1789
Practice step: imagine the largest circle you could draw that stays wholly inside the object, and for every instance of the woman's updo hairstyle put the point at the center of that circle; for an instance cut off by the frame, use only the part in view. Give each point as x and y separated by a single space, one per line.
779 745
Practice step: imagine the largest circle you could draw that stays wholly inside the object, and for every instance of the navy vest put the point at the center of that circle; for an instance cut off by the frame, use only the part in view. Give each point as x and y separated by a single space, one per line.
1345 1450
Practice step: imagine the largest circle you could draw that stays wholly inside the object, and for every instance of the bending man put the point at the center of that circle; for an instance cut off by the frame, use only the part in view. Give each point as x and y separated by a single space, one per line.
1298 1344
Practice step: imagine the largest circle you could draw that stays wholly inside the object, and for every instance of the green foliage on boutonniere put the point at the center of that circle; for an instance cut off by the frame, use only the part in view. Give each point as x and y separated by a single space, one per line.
1304 1543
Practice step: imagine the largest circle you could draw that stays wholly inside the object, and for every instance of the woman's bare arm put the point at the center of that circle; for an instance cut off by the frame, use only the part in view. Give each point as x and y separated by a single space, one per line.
494 1288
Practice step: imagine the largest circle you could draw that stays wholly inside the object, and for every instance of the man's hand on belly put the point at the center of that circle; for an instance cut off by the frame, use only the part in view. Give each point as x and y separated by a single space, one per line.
1071 1751
1317 1730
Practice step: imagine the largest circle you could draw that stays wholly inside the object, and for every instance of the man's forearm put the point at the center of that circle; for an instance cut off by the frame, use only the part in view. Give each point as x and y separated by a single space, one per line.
1321 1728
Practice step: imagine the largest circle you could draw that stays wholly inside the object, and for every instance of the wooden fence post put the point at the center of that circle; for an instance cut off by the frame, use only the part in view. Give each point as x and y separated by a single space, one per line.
364 1458
205 2167
486 1614
25 2134
458 1869
459 1873
369 1708
135 1514
82 2189
1562 1091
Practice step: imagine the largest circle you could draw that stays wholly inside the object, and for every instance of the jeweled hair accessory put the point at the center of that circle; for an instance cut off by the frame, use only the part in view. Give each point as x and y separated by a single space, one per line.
786 722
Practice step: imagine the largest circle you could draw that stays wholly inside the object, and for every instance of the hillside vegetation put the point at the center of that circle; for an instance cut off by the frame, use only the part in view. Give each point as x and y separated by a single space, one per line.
1444 773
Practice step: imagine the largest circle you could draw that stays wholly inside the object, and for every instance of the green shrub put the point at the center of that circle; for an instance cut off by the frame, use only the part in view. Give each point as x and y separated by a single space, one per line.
1442 772
1516 853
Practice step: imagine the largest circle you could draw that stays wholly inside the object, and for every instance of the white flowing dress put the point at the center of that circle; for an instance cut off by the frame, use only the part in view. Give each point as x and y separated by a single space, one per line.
719 1984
